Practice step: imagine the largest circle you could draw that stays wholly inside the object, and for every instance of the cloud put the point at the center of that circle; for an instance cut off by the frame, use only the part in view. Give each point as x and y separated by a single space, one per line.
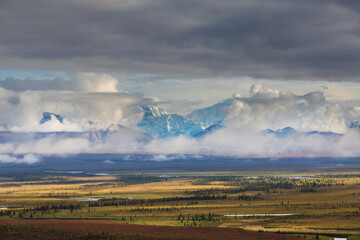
87 101
27 158
282 39
167 157
86 109
274 109
176 145
53 145
234 142
79 82
90 82
349 144
247 142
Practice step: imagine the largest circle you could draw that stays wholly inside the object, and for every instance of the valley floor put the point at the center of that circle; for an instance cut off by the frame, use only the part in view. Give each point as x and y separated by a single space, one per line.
102 229
181 205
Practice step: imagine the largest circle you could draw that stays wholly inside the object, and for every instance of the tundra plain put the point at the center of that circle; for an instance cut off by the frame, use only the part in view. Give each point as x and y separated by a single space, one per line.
322 203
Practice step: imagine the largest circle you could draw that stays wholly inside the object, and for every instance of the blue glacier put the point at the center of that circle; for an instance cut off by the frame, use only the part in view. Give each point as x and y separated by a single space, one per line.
158 123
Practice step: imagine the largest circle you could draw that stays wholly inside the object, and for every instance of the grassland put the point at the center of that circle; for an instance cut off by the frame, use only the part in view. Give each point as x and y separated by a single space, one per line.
324 203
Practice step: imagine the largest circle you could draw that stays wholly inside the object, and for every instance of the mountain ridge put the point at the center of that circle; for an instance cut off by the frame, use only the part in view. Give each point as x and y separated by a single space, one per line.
157 123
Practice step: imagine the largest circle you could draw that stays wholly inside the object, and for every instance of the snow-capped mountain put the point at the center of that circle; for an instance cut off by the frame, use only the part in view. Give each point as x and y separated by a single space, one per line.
47 117
96 136
288 132
157 123
208 130
117 131
355 124
211 116
285 132
152 111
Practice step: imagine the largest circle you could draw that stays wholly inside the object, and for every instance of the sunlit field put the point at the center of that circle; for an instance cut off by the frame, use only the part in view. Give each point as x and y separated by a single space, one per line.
303 204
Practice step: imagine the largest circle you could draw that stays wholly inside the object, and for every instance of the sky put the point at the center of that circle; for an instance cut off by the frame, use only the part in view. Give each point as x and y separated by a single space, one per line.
283 62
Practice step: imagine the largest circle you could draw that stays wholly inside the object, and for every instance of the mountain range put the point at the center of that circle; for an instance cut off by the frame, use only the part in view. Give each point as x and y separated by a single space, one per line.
157 123
99 136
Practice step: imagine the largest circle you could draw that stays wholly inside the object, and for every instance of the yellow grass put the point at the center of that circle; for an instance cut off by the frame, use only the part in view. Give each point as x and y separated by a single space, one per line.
330 210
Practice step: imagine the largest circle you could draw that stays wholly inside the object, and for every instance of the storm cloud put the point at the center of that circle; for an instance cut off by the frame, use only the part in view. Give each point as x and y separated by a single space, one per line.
79 82
282 39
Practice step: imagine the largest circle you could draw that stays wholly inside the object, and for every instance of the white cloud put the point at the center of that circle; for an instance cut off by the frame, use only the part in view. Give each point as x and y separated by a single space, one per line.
91 82
245 142
27 158
236 142
166 157
93 97
274 109
52 145
349 144
176 145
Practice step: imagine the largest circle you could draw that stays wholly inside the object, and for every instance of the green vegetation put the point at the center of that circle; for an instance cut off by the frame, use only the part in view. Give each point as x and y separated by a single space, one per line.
323 204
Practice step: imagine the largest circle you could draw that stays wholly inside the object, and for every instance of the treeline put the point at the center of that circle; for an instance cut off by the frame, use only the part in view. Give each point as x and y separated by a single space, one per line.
330 206
60 195
267 184
43 209
262 184
224 192
214 191
150 202
207 180
150 210
196 220
340 176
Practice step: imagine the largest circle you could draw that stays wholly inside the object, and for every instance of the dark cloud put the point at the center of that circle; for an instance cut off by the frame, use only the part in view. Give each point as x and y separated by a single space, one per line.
82 82
259 38
34 84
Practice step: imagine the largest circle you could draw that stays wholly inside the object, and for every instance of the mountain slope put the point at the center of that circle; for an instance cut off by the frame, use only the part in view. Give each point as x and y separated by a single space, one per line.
211 116
47 117
157 123
115 131
290 132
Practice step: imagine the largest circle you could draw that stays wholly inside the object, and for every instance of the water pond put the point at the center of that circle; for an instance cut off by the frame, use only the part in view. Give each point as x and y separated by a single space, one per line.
98 199
261 215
